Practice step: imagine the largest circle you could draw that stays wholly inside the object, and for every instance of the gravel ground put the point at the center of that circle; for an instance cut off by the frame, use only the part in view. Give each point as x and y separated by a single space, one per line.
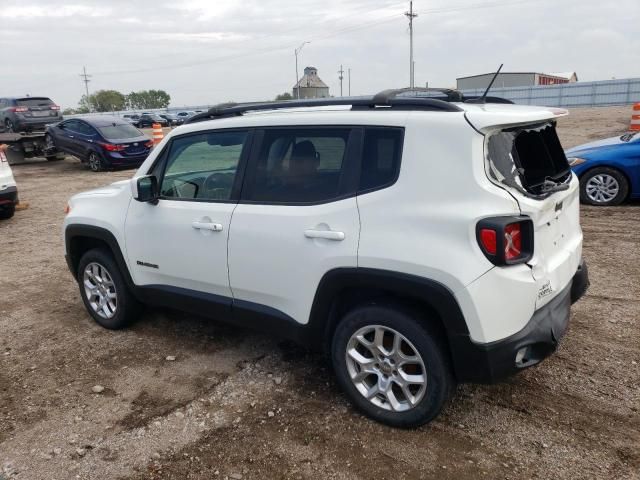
179 397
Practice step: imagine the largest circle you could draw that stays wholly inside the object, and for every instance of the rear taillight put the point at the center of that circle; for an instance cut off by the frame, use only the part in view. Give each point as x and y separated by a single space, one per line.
54 107
506 240
111 147
148 144
19 109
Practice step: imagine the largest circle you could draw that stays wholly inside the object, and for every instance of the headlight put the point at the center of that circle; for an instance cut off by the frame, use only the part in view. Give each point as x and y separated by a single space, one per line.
573 161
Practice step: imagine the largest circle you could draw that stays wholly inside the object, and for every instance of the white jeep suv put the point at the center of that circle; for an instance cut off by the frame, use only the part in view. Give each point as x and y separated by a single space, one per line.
419 241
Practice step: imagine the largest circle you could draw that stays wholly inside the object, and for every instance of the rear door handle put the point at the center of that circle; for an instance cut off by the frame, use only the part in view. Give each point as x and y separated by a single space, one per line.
326 234
214 227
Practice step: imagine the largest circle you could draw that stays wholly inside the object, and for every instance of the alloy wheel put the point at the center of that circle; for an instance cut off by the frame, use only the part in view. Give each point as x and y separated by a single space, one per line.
602 188
386 368
94 162
100 290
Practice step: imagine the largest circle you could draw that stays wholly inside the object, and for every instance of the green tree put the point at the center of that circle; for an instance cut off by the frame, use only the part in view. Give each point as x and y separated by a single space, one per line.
148 99
284 96
107 101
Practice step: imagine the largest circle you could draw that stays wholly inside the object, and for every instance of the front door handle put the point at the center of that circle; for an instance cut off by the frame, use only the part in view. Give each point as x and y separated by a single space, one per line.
326 234
214 227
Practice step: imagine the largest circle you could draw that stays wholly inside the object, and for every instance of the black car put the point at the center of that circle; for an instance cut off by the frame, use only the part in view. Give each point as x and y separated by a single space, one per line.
172 119
100 141
25 114
147 120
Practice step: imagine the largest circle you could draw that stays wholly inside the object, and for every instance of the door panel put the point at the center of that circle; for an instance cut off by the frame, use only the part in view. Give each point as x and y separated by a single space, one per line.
182 241
298 217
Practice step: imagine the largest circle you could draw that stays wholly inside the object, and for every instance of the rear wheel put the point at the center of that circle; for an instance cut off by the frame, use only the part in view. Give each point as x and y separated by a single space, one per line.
95 162
603 186
104 291
8 126
393 368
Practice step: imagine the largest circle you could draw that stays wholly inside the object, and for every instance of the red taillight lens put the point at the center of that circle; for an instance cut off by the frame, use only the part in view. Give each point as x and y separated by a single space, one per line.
506 240
110 147
488 240
148 144
54 107
512 241
19 109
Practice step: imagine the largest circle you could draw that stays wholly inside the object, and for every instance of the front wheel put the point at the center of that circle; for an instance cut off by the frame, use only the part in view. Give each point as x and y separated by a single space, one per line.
393 368
603 186
104 291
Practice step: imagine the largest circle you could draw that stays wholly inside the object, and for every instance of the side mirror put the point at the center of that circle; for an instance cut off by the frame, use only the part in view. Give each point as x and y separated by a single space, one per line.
147 189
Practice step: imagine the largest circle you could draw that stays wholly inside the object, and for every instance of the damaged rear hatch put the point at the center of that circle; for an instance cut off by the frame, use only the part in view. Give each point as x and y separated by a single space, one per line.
524 156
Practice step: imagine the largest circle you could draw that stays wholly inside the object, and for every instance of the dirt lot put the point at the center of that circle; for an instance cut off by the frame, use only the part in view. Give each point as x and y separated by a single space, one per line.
235 404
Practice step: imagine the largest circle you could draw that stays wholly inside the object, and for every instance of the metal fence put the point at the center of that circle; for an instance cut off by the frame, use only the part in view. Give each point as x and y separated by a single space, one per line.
580 94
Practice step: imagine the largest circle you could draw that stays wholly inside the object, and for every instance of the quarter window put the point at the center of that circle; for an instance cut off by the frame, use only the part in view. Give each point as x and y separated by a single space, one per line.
380 158
202 166
299 165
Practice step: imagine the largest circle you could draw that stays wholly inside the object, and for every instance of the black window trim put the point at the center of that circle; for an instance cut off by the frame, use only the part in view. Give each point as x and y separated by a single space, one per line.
159 165
349 176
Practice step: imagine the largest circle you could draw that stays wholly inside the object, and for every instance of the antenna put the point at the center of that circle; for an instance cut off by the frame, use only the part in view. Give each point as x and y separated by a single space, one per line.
483 98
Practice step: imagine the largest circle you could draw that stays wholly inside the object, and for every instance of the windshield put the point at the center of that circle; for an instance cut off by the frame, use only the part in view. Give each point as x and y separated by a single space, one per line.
529 159
34 102
123 130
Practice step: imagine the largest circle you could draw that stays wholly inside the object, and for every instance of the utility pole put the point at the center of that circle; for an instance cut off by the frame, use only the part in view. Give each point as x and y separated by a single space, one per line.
85 78
297 51
410 15
349 77
340 77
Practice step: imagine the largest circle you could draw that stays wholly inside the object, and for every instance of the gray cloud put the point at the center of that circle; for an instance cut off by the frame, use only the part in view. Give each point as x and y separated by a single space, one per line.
205 51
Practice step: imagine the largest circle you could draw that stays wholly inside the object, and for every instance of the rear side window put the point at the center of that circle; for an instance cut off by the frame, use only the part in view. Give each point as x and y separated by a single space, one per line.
529 159
299 165
33 102
380 158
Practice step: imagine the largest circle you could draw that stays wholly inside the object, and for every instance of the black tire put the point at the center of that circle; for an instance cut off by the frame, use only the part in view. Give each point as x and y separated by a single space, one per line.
7 212
127 306
94 161
440 382
8 126
606 172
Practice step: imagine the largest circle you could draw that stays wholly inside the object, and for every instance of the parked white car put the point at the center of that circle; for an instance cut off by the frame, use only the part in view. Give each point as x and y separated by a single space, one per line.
8 187
420 242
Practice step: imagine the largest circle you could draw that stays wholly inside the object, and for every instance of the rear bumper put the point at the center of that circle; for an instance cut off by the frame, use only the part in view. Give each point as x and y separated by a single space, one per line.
35 122
8 197
492 362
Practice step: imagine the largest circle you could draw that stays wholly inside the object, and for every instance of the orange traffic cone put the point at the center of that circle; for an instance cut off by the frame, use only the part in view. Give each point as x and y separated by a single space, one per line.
157 133
635 118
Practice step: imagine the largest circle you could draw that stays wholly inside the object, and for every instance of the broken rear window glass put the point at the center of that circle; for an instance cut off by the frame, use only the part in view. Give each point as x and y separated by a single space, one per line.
529 159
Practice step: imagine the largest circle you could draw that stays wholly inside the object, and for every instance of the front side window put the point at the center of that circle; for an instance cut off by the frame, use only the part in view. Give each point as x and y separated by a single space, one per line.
202 166
299 165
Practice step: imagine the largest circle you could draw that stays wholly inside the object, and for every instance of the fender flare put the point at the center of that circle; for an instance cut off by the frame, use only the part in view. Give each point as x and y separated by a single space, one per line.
73 232
412 287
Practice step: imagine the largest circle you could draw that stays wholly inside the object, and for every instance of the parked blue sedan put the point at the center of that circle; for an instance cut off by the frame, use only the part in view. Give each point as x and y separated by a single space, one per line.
102 141
609 170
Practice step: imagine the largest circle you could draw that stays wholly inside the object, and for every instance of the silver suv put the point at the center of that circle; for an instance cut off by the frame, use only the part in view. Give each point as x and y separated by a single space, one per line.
24 114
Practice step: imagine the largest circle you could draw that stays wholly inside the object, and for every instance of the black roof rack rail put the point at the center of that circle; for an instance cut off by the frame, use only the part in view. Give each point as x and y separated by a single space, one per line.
450 94
357 103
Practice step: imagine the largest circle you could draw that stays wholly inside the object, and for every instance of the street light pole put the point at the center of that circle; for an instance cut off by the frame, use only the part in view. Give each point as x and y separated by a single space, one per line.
297 51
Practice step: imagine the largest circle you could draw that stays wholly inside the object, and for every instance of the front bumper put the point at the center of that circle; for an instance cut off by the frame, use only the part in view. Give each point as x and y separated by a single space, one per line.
492 362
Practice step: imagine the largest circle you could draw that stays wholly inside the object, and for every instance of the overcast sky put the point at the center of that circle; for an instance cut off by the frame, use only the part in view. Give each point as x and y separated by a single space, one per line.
208 51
